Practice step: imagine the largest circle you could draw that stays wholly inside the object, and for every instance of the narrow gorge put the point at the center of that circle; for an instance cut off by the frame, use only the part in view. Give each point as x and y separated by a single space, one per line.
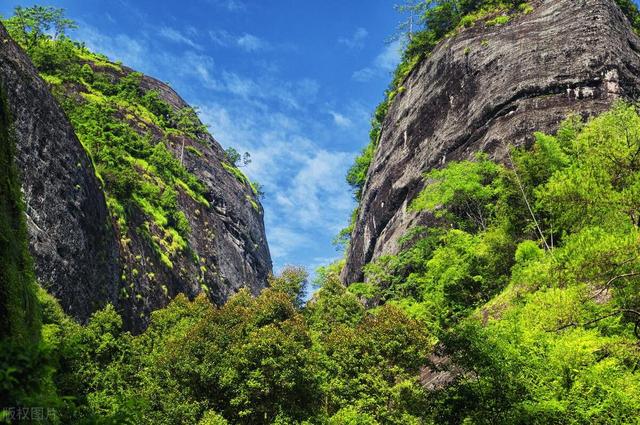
489 273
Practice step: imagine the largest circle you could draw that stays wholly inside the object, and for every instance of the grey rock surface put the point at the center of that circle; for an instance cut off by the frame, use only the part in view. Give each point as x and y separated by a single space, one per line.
71 236
484 89
228 237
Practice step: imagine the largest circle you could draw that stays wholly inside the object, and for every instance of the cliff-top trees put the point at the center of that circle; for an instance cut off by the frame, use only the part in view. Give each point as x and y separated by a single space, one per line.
30 25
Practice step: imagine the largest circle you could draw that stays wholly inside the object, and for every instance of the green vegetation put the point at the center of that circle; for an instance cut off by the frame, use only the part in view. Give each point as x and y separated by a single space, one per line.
528 288
234 158
29 26
254 361
140 174
233 164
531 280
630 9
194 151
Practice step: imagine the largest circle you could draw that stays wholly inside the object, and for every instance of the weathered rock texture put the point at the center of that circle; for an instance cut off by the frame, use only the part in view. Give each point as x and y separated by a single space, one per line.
484 89
228 237
71 237
81 255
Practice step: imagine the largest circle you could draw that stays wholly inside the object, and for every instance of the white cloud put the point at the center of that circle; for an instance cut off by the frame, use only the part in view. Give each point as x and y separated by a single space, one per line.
384 62
240 86
196 65
282 240
221 37
314 189
247 42
284 201
340 120
230 5
389 58
356 40
176 36
363 75
292 95
251 43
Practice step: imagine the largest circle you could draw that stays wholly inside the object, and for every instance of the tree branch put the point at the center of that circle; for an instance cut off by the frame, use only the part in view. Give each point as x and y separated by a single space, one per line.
636 330
526 200
621 276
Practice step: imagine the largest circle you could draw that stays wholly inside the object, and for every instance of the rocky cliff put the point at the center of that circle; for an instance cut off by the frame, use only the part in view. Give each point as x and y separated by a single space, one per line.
484 89
90 245
228 235
71 237
19 318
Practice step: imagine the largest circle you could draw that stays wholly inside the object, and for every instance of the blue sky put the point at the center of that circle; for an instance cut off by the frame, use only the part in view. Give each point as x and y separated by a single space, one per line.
292 82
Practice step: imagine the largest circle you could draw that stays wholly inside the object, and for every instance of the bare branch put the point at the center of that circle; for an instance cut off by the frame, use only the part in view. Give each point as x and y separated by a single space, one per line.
597 319
622 276
526 200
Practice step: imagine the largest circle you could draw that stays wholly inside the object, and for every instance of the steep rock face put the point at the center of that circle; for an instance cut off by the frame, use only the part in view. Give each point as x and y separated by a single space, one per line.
484 89
227 246
228 236
19 318
71 237
82 254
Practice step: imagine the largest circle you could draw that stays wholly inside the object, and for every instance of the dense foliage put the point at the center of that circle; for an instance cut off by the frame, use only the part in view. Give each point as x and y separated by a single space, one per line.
30 25
531 283
521 307
253 361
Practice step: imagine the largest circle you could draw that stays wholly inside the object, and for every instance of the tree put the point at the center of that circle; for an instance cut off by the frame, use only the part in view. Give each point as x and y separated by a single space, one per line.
30 25
414 9
259 190
467 190
333 306
292 281
246 158
189 123
236 159
233 156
